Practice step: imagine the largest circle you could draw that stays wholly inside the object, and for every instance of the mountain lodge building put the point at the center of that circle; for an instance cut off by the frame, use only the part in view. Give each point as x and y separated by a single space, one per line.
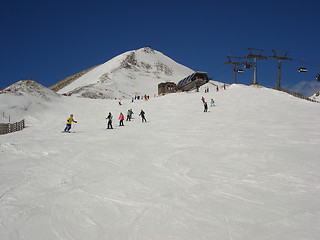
167 87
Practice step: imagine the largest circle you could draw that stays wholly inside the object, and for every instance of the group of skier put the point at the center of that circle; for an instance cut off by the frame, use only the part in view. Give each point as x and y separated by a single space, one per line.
212 103
121 118
109 118
145 97
205 104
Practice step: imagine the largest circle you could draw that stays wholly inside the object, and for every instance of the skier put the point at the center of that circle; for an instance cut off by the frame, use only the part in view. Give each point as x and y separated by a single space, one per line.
109 117
205 107
121 118
142 113
69 122
202 99
212 102
129 115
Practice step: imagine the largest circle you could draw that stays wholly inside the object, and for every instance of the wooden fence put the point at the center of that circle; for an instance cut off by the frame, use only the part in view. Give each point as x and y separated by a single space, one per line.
295 94
11 127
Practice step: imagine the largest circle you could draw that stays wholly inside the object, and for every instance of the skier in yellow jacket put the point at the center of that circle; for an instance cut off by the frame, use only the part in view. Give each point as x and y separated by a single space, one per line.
69 122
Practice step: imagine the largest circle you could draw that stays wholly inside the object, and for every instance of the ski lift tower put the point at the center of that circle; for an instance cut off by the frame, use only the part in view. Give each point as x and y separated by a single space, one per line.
256 54
236 62
280 55
318 75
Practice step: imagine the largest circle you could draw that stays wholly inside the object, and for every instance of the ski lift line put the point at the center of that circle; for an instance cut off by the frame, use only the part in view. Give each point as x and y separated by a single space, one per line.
219 67
221 72
309 63
255 49
257 54
303 65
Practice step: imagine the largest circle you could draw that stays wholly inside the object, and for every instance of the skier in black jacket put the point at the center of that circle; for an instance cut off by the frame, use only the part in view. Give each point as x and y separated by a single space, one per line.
142 113
109 118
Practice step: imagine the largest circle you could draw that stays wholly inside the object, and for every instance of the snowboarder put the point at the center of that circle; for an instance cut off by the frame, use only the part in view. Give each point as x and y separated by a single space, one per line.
202 99
69 122
109 118
142 113
121 118
205 107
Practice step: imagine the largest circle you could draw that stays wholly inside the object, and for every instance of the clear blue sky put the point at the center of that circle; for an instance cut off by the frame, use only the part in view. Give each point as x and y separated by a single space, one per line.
50 40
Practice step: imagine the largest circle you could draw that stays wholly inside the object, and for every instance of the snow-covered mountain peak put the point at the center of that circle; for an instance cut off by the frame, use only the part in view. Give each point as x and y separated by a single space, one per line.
23 97
30 88
131 73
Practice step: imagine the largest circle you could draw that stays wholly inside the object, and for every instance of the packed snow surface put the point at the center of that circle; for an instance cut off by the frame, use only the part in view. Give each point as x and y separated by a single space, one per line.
247 169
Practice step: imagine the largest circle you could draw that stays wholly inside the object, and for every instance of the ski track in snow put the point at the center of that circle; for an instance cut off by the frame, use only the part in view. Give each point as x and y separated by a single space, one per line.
248 169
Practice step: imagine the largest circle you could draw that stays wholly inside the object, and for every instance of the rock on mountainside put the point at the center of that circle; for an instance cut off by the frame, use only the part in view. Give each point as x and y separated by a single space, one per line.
56 87
132 73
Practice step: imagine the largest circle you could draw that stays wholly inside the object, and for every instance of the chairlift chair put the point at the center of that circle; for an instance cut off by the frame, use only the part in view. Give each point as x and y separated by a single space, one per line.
302 69
248 65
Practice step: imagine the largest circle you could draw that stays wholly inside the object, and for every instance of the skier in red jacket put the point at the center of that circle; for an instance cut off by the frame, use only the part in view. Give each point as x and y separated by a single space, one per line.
121 118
